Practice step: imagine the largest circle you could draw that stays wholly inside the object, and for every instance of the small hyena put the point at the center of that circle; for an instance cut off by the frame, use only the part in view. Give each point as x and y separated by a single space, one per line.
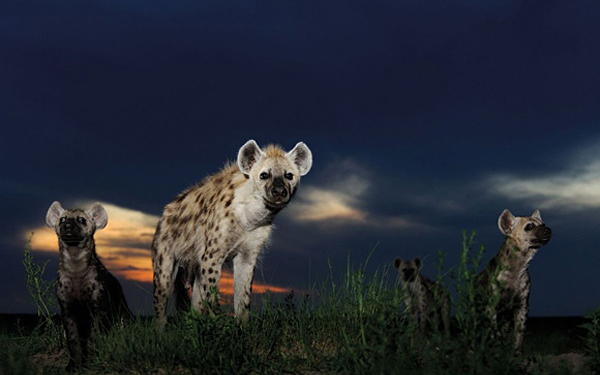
87 293
427 302
229 215
505 279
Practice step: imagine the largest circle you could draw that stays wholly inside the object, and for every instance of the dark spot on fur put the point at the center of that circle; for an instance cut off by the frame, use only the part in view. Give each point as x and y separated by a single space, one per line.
160 260
210 270
228 203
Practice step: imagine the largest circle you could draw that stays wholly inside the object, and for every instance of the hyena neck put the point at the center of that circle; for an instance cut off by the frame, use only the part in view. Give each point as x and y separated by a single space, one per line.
76 261
514 257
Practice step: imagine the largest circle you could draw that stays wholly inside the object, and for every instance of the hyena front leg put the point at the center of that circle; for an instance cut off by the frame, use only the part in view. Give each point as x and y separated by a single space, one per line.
78 326
165 268
205 292
243 273
520 316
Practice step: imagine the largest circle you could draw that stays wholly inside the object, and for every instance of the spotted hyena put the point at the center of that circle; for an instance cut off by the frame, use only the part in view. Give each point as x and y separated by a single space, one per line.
229 215
505 279
87 293
427 301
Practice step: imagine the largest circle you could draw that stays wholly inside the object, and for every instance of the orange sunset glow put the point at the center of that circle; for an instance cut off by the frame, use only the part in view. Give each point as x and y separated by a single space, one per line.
124 247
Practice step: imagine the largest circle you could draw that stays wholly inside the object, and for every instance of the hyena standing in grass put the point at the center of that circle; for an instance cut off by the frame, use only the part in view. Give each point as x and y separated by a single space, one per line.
87 293
427 301
229 215
505 279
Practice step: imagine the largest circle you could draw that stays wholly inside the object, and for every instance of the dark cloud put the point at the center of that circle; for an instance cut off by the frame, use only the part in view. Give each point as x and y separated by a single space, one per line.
131 102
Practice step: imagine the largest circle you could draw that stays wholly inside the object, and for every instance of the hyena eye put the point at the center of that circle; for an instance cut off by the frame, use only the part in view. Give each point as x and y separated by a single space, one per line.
62 220
81 220
264 175
289 176
529 227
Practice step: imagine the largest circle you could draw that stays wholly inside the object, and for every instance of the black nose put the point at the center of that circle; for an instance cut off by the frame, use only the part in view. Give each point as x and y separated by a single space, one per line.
547 231
279 191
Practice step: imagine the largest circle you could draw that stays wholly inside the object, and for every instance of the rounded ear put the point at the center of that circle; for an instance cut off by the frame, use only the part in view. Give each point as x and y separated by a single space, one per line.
98 215
302 157
506 221
248 155
536 215
54 213
417 262
397 263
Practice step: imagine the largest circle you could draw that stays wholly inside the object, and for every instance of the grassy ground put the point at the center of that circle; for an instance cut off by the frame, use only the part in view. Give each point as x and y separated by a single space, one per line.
357 326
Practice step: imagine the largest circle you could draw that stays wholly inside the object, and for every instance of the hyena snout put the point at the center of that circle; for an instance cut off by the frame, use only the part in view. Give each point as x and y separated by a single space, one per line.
409 274
278 193
543 234
70 232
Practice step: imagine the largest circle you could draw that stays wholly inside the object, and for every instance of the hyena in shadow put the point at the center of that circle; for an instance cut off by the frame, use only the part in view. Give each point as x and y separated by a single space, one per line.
87 293
505 281
427 302
229 215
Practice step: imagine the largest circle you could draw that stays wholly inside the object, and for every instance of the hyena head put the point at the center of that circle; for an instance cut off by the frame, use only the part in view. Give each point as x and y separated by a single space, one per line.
274 172
74 227
529 232
408 270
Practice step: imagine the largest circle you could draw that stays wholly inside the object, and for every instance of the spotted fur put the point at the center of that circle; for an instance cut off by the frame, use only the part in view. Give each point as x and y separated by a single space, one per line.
507 274
229 215
87 292
426 301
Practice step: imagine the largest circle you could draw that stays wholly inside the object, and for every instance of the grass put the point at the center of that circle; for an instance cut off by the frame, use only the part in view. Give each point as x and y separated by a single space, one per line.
356 326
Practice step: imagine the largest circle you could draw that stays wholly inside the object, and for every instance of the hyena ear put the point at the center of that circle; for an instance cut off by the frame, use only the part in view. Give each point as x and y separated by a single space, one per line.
397 263
506 221
417 262
302 157
248 155
536 215
98 215
54 213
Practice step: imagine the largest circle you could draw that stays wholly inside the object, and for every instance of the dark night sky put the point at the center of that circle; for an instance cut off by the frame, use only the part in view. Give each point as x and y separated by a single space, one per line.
424 118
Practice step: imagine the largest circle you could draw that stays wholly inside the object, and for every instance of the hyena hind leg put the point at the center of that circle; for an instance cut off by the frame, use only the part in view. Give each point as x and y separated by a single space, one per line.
163 286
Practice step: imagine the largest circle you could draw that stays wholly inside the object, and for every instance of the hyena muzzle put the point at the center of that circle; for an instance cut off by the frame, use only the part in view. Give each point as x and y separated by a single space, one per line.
427 302
87 293
229 215
505 282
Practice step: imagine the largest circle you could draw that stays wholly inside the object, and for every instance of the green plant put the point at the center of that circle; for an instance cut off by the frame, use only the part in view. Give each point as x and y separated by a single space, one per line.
592 339
42 293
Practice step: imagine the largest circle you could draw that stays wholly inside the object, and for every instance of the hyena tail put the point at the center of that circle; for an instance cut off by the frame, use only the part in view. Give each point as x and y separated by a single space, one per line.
182 287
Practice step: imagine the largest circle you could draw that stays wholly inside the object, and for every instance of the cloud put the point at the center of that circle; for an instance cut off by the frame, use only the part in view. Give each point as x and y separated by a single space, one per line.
124 246
344 201
576 187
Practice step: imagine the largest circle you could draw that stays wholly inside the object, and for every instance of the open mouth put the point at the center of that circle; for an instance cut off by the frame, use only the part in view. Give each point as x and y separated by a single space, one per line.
275 204
71 240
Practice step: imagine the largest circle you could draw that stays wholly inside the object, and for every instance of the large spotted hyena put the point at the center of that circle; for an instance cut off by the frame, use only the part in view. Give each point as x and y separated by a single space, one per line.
87 293
506 277
229 215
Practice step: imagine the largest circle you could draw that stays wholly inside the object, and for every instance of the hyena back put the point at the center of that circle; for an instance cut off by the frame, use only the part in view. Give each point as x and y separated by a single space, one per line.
86 291
427 302
229 215
506 280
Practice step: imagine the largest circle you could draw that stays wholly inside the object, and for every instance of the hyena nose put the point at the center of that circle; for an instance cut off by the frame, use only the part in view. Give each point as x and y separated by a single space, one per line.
547 231
279 191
